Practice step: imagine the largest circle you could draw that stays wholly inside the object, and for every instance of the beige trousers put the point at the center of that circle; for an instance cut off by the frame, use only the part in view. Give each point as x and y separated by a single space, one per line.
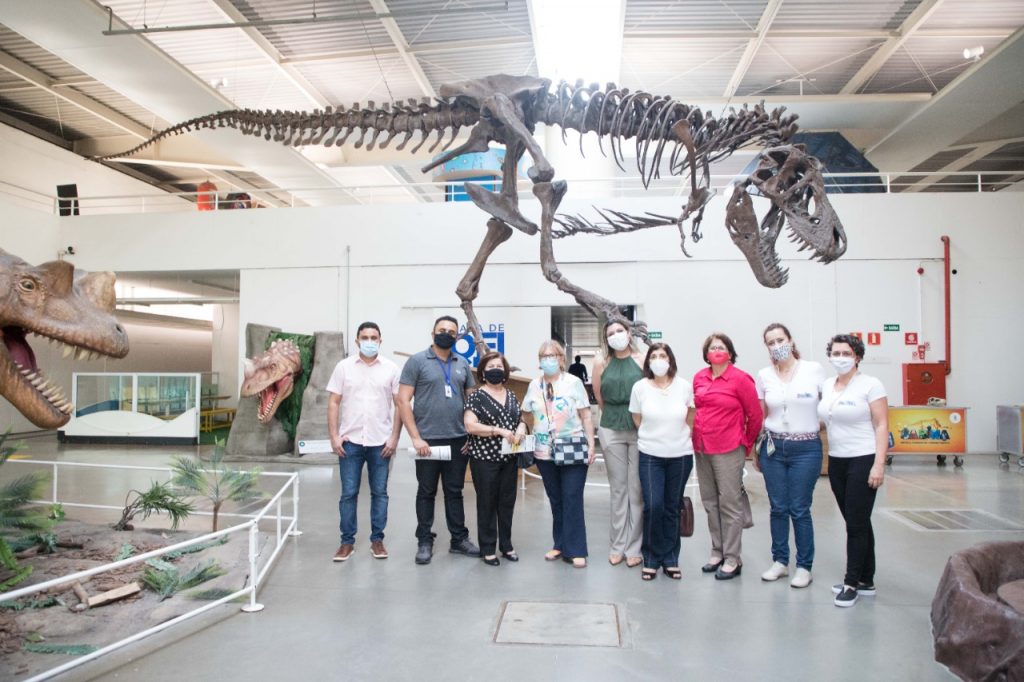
721 483
622 462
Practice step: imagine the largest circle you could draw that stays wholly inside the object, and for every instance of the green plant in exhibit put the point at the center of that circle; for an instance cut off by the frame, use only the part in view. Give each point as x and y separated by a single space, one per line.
17 513
161 498
165 579
214 481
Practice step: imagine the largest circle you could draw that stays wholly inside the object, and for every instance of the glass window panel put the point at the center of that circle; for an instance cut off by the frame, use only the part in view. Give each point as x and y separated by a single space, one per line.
103 394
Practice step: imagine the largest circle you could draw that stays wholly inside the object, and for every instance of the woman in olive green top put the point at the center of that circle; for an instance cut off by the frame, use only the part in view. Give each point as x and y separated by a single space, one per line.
614 376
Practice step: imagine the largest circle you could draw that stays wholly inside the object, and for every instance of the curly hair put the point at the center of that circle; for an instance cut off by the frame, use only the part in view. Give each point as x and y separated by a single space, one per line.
849 339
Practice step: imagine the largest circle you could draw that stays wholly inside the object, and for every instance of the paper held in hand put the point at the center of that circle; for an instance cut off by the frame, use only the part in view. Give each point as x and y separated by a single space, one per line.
527 444
438 452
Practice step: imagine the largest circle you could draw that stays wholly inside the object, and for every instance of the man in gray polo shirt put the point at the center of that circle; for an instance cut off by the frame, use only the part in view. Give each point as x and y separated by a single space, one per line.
438 379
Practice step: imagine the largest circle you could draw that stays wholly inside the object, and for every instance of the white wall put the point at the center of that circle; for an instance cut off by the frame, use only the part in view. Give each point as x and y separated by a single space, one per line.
32 168
225 356
407 260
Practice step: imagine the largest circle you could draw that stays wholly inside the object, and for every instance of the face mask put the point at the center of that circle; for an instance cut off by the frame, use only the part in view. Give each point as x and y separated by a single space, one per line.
369 348
549 366
618 341
842 365
444 341
659 367
494 375
781 352
718 357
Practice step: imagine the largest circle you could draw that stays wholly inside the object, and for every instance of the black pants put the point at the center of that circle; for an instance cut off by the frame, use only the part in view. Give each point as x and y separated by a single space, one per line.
495 484
452 475
848 477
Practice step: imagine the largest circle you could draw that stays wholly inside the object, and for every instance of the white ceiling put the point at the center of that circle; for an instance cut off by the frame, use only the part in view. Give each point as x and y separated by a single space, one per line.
888 74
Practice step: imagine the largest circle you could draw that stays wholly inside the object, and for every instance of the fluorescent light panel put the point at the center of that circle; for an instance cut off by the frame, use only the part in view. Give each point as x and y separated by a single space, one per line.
578 39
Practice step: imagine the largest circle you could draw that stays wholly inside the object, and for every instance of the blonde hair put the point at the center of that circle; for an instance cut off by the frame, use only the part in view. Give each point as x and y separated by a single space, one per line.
552 346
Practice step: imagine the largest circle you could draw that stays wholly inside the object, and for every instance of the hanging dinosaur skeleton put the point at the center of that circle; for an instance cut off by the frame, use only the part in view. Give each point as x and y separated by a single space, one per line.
506 109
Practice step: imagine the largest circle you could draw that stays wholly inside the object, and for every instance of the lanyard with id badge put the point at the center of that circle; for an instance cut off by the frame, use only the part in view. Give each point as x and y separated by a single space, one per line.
446 367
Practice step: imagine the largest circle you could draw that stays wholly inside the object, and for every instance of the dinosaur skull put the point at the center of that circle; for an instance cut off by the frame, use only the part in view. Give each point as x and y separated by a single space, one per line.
271 377
59 304
792 180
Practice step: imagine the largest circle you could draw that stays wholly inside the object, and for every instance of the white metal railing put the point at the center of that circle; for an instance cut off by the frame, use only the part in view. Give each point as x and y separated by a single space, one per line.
285 526
435 192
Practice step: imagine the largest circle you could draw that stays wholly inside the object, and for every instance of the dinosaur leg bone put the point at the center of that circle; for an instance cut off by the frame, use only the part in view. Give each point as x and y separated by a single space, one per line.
504 205
550 195
504 111
469 287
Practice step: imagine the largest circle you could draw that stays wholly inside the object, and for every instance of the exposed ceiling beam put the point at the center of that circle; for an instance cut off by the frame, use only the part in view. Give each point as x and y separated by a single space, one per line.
395 33
980 152
273 55
1000 142
87 104
911 24
753 45
991 32
26 127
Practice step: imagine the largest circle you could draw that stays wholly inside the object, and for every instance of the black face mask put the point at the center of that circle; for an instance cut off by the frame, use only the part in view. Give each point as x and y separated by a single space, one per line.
494 376
444 341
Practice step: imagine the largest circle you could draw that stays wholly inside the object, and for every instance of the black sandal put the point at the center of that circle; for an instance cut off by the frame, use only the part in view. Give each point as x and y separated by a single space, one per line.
648 574
673 573
511 556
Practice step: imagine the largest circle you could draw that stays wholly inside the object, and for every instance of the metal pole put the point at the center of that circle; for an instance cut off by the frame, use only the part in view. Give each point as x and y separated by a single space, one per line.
295 507
253 606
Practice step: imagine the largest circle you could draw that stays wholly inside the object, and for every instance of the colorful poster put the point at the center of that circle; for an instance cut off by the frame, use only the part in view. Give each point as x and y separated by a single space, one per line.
928 430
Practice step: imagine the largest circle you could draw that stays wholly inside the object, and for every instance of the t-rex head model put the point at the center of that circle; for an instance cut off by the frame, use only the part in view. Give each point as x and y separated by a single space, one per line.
793 182
60 304
271 377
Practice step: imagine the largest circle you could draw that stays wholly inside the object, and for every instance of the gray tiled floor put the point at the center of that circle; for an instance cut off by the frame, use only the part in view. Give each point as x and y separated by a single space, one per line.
391 620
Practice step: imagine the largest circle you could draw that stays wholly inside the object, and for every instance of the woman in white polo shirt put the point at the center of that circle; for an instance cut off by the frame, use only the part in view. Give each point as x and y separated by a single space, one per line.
660 405
790 453
854 410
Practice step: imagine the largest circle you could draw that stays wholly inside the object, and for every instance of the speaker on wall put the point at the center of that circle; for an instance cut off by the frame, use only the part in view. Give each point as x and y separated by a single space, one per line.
67 199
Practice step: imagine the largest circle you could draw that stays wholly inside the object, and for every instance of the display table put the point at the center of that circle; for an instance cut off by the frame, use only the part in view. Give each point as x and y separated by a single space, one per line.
1010 432
926 430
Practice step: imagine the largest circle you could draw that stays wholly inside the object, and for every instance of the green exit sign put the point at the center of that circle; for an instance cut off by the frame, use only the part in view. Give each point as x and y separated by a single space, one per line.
653 336
892 327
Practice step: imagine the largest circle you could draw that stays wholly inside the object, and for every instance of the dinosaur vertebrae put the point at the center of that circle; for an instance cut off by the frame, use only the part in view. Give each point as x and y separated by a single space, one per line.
614 113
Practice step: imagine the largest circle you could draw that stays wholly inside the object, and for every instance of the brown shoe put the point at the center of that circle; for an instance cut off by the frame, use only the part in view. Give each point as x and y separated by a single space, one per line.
378 550
343 553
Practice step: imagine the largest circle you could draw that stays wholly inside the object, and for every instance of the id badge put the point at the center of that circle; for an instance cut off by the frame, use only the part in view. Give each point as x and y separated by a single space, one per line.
447 391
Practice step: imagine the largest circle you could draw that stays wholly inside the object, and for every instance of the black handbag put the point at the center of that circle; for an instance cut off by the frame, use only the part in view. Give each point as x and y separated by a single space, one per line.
525 460
569 451
686 518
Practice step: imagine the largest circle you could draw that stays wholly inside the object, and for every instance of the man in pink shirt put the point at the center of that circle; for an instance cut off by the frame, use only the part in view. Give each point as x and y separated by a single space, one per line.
364 424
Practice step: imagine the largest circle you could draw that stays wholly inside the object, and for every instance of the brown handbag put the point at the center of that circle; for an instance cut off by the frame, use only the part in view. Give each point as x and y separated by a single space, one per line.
747 513
686 518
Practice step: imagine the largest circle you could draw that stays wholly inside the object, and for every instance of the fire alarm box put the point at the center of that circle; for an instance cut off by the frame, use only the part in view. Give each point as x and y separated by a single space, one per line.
923 380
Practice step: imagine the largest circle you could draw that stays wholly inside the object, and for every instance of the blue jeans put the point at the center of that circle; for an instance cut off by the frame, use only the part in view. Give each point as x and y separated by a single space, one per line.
789 476
351 469
564 486
662 480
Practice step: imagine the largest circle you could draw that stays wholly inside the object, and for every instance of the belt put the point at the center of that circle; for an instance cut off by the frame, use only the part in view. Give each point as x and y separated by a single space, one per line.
794 436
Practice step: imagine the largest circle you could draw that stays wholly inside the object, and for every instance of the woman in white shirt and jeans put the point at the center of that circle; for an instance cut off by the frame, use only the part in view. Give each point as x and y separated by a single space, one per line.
660 405
854 410
790 454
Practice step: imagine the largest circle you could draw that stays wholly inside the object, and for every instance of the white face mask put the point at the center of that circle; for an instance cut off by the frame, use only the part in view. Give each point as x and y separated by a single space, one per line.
781 352
618 341
842 365
659 367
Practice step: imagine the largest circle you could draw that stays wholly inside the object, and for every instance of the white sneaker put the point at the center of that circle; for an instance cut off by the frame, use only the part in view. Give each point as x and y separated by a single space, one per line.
776 571
801 579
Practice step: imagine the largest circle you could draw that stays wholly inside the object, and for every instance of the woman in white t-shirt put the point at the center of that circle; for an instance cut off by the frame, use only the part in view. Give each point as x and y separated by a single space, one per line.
660 405
854 410
790 452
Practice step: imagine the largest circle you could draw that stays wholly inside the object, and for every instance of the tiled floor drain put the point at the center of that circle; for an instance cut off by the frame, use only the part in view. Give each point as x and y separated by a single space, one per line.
558 624
954 520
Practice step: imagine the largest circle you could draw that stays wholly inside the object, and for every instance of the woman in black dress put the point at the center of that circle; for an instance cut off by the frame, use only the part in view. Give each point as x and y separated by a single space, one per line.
493 417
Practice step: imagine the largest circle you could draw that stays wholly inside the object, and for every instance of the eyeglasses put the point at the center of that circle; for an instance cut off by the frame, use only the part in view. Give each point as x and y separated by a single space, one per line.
549 357
718 348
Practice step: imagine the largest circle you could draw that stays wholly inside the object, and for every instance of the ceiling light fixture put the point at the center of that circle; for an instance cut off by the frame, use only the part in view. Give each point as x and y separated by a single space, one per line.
578 39
974 53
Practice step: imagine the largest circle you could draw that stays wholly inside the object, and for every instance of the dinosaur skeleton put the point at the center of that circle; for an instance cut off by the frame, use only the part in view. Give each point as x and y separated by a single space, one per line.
506 109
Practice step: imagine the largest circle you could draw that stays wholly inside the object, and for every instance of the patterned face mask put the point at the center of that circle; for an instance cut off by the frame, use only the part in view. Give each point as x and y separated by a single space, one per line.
781 352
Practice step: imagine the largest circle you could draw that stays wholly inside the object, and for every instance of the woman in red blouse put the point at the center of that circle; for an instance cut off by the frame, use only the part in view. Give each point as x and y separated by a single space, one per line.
727 420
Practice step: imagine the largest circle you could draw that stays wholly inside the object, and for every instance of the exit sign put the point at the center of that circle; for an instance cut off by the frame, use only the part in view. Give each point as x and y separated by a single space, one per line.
653 336
891 327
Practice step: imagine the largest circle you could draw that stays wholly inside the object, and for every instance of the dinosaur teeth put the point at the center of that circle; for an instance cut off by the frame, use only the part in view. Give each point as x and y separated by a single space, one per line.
81 354
68 350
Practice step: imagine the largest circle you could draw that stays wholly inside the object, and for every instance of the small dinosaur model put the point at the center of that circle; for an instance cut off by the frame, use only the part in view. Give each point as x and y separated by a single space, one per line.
506 110
271 377
62 305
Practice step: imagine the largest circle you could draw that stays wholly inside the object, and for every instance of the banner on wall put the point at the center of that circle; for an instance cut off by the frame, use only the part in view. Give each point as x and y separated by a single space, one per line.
494 338
931 430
